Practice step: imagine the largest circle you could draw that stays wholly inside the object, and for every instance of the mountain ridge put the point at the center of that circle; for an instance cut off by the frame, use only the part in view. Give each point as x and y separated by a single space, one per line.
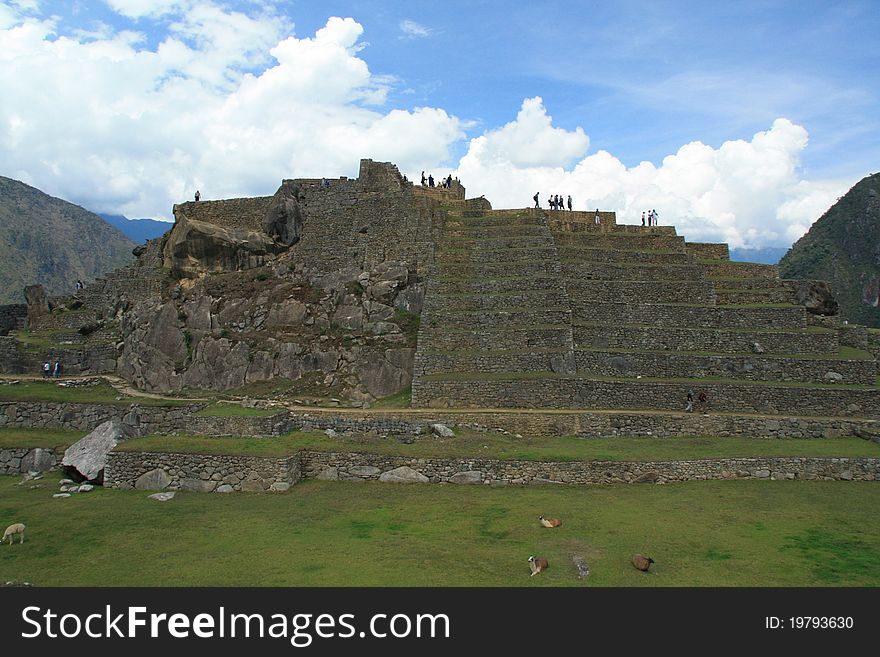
50 241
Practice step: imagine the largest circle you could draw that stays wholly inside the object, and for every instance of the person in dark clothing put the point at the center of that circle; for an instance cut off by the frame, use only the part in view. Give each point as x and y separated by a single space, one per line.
198 195
535 197
569 202
424 180
430 180
57 369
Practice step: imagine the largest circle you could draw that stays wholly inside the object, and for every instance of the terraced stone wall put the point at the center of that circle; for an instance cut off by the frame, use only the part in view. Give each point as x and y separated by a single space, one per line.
708 251
13 317
664 338
226 474
230 213
661 315
572 392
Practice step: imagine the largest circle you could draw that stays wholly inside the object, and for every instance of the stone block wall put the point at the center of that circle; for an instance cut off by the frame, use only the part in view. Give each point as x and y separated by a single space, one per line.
754 367
576 392
671 315
708 251
231 213
585 292
199 472
85 417
226 474
351 466
740 270
16 460
665 338
13 317
513 337
635 272
591 255
618 240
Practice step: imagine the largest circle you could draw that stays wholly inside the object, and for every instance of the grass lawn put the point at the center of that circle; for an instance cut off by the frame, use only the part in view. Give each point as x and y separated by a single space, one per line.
505 447
38 437
102 393
740 533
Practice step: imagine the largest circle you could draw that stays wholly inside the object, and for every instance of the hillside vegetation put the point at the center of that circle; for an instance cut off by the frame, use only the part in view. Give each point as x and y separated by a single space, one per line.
843 247
52 242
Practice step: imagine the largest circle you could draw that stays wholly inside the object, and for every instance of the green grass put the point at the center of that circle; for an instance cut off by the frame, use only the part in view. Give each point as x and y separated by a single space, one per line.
744 533
38 437
402 399
102 393
498 446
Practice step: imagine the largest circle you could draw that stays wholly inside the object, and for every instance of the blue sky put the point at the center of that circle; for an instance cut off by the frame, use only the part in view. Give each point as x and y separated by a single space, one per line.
451 87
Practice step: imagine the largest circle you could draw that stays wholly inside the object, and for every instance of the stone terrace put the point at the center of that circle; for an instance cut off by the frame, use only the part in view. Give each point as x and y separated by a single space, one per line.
538 309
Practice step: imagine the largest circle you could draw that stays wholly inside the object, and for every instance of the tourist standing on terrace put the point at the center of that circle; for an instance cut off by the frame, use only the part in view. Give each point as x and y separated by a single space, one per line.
198 195
569 202
535 197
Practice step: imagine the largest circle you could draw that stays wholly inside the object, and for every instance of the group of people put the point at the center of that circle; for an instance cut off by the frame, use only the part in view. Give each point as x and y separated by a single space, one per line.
50 370
445 183
556 202
701 399
651 216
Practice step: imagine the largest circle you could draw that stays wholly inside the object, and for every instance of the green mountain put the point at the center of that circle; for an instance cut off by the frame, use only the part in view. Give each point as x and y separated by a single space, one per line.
843 247
52 242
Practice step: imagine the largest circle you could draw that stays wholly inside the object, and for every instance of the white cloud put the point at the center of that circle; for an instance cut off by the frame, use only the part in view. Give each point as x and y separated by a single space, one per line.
231 103
227 103
413 30
746 193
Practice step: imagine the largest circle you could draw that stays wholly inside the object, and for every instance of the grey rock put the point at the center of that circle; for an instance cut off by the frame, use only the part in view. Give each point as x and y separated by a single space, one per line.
647 478
583 569
85 488
762 474
279 487
403 475
88 456
467 477
225 488
155 479
162 497
832 376
816 297
329 474
442 431
61 495
285 217
38 459
198 485
758 348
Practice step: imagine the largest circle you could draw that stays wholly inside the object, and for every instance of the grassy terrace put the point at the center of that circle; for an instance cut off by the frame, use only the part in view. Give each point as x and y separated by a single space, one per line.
102 393
714 533
498 446
525 376
38 437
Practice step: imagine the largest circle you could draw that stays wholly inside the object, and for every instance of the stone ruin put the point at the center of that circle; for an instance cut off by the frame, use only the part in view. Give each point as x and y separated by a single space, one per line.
356 289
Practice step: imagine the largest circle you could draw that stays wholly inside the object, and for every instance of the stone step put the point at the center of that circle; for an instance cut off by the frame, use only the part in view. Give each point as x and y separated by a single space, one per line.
721 340
502 319
510 268
722 283
768 295
726 269
495 243
506 285
688 316
632 272
515 337
535 299
548 390
514 360
628 241
495 231
586 254
586 292
545 254
754 367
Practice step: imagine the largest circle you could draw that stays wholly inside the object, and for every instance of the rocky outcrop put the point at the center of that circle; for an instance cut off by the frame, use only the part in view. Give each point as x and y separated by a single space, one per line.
284 220
195 248
88 456
816 297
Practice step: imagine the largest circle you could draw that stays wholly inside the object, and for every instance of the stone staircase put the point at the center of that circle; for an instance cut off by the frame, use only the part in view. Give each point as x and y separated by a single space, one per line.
536 309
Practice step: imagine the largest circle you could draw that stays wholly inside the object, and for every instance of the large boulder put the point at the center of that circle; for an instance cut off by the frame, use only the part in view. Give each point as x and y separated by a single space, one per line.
816 297
284 219
88 457
195 248
388 373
